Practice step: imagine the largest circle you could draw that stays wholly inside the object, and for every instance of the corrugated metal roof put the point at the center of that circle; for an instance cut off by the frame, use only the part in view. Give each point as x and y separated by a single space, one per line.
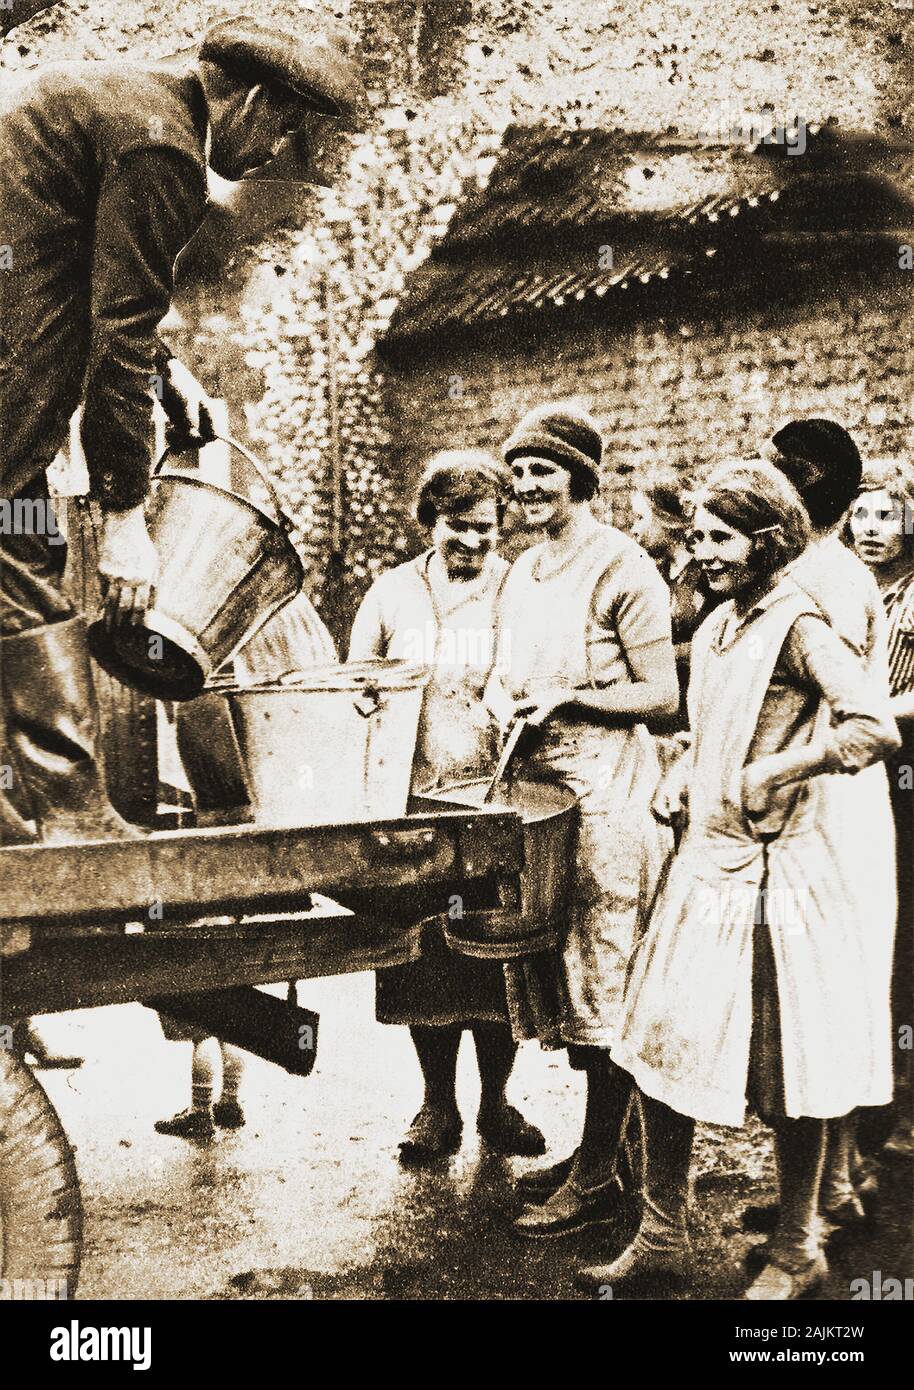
554 180
495 292
527 241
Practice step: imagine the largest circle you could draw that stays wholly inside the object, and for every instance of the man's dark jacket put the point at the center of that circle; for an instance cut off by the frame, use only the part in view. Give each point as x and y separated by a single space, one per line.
102 183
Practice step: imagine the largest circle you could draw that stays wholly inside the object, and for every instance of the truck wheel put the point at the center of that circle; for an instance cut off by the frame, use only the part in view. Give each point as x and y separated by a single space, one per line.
40 1210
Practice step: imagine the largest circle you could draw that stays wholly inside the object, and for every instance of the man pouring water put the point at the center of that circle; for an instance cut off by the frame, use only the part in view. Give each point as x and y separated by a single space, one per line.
103 176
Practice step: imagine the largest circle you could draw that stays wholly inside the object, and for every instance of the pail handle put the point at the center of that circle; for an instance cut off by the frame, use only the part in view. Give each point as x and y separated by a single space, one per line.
284 521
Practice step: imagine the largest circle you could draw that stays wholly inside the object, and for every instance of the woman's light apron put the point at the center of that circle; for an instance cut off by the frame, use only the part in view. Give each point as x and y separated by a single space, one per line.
687 1016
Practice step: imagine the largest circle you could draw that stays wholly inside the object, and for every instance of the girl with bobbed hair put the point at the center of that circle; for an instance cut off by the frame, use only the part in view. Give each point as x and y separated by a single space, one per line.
454 479
880 523
761 504
661 522
880 527
438 610
660 510
757 979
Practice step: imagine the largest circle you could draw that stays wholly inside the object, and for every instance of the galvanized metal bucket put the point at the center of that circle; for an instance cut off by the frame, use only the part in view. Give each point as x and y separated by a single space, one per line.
226 565
550 819
212 763
330 745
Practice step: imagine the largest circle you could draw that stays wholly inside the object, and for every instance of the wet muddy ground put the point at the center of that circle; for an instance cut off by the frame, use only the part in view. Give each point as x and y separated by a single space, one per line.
309 1201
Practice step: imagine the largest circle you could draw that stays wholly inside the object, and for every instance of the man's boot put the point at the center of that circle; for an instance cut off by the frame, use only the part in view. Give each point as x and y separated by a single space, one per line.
17 825
14 830
51 718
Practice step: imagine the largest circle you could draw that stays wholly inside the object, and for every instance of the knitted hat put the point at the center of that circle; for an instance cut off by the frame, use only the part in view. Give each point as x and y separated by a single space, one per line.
564 433
823 463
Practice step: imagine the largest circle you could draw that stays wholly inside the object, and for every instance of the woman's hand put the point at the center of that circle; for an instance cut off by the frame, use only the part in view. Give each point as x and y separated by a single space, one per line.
671 799
756 790
498 703
536 709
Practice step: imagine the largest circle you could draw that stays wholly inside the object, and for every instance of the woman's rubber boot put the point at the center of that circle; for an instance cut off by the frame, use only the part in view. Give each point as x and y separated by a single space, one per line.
51 718
540 1183
571 1208
660 1256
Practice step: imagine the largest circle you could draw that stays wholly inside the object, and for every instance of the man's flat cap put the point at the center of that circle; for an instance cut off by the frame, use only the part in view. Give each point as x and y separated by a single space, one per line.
318 66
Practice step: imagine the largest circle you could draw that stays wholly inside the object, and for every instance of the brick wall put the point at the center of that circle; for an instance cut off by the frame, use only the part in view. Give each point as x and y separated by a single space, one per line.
678 391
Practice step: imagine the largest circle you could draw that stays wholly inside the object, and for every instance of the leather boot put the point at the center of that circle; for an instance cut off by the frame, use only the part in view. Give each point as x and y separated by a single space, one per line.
51 718
14 830
17 825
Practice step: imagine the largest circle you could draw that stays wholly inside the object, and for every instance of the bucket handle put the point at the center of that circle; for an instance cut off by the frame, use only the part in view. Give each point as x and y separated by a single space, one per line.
284 521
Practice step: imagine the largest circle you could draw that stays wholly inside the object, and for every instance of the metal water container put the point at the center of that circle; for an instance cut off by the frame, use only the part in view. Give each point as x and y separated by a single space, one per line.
226 565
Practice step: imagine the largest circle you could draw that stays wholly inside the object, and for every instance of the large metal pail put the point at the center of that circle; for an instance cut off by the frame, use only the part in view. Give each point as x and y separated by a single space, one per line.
330 745
226 565
209 754
549 814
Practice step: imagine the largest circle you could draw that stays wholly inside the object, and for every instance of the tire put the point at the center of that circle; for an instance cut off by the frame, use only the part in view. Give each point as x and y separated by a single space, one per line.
40 1208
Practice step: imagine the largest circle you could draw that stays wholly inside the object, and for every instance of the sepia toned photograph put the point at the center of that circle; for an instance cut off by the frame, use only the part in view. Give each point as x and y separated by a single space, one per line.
457 665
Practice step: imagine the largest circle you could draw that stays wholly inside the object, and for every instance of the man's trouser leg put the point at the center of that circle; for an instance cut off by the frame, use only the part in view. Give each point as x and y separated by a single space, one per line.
30 574
47 691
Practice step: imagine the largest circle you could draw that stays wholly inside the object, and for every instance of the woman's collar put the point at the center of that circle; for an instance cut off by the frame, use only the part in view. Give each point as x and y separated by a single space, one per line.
783 586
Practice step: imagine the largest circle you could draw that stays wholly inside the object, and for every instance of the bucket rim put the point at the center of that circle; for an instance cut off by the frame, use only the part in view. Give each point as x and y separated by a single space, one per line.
564 797
281 523
334 677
